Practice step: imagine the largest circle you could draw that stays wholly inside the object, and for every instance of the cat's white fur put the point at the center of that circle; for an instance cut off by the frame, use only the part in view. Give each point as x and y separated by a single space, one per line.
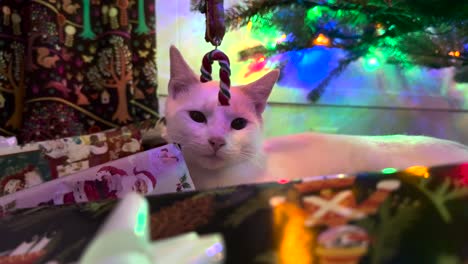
245 158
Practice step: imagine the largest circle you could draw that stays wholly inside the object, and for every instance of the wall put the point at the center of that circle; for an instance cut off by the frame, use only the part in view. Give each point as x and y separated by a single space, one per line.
284 119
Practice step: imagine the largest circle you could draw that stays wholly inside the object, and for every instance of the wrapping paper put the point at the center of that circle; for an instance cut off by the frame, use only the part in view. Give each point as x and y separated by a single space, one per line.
413 216
109 233
157 171
125 238
25 166
71 68
6 142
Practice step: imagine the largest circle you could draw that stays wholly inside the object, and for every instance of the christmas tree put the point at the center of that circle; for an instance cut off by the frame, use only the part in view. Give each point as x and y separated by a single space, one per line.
427 33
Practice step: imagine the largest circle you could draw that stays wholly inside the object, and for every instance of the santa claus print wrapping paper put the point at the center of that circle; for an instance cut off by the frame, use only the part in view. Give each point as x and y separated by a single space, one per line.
25 166
156 171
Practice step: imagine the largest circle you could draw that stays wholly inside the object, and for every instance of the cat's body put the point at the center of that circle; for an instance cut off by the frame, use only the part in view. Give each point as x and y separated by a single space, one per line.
313 154
224 146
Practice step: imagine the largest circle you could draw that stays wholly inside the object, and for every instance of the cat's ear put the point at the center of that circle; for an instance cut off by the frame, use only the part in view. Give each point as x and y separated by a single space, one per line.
182 76
260 90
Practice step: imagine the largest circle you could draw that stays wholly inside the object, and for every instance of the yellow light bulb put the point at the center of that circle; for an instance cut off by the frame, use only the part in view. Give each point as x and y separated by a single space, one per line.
249 26
322 40
420 171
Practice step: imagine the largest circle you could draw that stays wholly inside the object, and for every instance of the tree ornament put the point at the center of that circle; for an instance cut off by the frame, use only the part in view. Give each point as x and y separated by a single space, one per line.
214 34
224 73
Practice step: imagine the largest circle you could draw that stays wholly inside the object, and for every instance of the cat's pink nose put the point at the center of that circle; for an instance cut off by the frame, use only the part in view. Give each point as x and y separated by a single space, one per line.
217 142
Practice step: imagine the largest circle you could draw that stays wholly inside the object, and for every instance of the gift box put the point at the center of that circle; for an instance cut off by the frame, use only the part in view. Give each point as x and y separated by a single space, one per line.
25 166
100 232
413 216
124 238
156 171
417 215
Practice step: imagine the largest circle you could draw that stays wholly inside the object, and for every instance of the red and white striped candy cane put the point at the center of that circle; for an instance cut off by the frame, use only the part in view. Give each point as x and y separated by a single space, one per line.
224 73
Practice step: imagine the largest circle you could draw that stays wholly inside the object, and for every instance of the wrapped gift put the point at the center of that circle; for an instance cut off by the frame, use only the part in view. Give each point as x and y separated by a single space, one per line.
41 234
413 216
156 171
101 232
32 164
124 238
402 217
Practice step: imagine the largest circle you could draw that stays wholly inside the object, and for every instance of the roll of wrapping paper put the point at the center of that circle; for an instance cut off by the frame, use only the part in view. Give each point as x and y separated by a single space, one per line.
163 170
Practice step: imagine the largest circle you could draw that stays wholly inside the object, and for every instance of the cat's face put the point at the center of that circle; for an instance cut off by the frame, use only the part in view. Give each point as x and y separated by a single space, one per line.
214 136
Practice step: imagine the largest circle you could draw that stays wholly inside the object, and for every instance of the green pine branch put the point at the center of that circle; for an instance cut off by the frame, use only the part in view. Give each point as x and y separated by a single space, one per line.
239 15
317 92
414 33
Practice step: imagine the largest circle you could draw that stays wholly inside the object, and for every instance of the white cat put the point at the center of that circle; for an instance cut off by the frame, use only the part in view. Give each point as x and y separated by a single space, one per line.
223 145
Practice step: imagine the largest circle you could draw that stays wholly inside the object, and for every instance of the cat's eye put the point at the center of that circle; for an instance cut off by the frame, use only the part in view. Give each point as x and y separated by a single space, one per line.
239 123
197 116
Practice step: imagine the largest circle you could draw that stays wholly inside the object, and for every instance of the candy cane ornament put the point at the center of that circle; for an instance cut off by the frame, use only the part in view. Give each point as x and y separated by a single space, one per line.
224 95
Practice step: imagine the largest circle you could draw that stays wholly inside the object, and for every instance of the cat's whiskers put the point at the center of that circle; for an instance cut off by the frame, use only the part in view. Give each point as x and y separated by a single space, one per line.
229 153
179 139
252 158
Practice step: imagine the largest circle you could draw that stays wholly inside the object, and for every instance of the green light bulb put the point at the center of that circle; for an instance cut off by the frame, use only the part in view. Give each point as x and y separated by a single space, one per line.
389 170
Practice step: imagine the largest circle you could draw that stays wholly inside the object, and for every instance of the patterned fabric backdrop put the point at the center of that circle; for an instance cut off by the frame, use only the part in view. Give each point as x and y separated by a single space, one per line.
70 67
